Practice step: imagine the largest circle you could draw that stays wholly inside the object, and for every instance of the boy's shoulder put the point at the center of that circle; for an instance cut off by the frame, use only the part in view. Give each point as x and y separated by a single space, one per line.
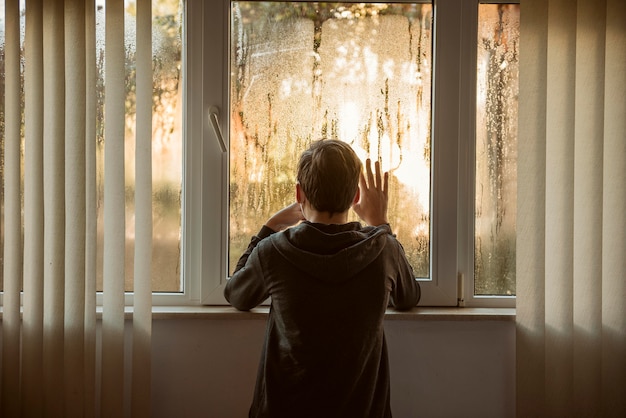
328 239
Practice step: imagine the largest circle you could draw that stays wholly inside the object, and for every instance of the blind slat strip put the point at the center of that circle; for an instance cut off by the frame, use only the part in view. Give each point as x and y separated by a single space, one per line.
530 246
142 318
32 324
114 215
12 267
561 67
54 216
591 18
75 204
91 212
614 216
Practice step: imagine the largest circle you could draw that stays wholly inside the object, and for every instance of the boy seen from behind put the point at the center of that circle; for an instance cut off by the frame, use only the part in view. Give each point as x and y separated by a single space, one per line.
330 282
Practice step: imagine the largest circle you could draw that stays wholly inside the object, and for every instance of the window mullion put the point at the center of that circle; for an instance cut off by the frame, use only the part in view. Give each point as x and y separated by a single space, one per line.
214 183
442 289
467 174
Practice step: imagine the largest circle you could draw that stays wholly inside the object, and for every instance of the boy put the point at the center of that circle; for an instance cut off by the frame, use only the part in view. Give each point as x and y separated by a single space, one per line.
330 281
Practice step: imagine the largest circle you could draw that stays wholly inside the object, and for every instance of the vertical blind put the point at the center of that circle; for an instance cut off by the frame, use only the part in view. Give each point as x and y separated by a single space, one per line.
571 227
50 360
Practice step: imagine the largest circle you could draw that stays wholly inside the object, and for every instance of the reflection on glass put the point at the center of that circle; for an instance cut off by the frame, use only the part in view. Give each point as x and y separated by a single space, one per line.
496 149
360 73
166 141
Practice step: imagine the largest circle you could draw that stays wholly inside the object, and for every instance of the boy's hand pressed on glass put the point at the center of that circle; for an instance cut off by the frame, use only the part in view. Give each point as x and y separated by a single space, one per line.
286 217
372 204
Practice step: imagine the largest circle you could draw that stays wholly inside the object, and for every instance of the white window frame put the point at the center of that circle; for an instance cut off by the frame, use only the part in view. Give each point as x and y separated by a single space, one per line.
205 190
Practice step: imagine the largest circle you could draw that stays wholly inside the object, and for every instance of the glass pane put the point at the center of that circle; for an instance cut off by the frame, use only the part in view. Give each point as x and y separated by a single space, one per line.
167 144
357 72
496 149
2 118
22 8
167 138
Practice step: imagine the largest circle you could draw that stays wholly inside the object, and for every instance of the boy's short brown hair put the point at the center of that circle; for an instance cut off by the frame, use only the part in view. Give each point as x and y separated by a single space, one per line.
328 173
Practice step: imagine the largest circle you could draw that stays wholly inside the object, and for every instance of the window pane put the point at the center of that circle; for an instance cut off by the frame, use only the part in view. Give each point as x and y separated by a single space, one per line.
167 138
2 123
496 149
356 72
167 145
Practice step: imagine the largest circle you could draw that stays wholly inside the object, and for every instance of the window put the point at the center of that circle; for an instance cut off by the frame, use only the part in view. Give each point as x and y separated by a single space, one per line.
319 54
167 136
242 86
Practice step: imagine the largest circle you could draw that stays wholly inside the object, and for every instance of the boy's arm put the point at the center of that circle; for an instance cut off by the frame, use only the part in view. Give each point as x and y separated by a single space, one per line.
406 292
246 287
372 208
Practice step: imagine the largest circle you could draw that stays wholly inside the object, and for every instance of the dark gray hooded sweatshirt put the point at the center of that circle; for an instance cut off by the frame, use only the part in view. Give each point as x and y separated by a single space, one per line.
325 353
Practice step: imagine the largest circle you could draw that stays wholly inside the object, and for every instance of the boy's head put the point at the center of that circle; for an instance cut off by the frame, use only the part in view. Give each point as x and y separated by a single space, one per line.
328 174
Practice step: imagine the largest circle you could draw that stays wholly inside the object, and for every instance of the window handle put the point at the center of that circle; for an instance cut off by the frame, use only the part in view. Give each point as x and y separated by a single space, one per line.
214 114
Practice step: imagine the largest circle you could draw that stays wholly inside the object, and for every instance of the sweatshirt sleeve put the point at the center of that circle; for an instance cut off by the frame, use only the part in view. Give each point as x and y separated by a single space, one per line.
246 287
406 292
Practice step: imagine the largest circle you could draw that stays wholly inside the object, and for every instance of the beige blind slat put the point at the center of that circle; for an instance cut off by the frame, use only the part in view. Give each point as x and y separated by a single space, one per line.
614 215
530 305
114 214
561 72
91 211
12 263
32 325
589 100
142 317
54 216
75 206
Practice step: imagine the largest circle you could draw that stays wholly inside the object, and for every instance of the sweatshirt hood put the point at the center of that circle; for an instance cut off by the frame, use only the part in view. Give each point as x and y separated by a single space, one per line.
331 253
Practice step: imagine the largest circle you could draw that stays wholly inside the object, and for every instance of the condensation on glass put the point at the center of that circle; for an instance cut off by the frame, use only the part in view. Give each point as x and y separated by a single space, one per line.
496 149
167 141
360 73
166 133
2 118
22 9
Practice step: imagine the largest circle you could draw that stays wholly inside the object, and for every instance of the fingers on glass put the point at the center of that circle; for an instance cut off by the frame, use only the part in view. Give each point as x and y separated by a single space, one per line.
370 175
386 183
376 178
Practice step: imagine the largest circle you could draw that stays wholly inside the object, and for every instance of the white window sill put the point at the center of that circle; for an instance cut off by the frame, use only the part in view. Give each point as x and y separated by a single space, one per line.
415 314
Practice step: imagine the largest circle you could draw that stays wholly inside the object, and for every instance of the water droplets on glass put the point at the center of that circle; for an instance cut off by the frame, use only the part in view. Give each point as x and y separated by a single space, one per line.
356 72
496 149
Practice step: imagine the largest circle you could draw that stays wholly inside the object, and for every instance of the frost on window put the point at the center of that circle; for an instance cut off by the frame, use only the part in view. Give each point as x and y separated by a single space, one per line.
496 149
301 72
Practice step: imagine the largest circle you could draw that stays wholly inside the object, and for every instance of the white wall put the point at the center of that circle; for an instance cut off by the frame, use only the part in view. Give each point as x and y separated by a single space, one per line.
207 367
